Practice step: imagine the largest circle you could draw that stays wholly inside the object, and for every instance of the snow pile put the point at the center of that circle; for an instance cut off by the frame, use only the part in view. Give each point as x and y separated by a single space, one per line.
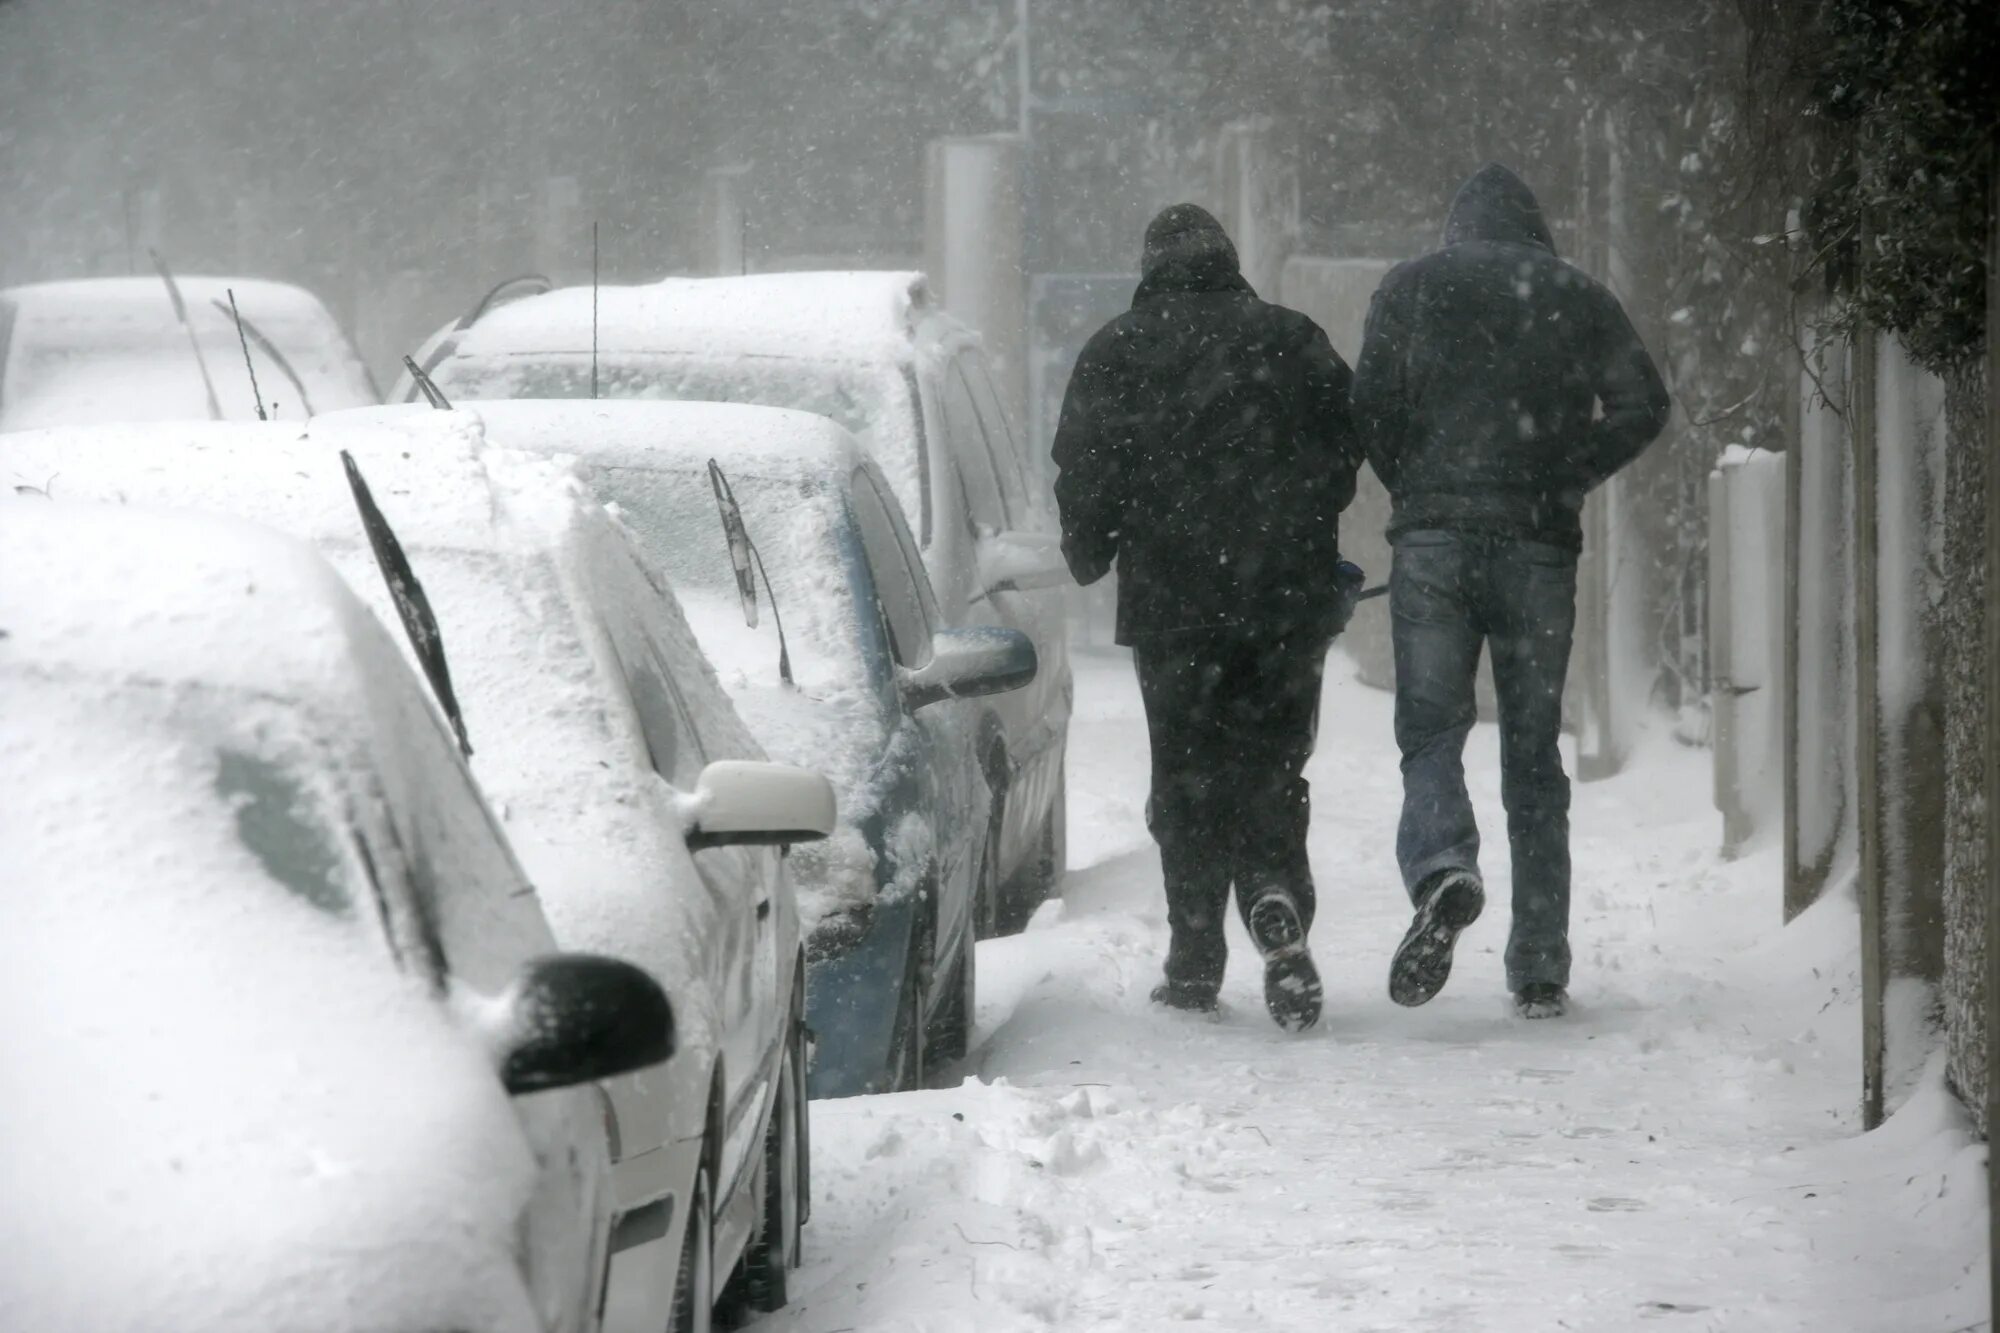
1682 1150
242 1115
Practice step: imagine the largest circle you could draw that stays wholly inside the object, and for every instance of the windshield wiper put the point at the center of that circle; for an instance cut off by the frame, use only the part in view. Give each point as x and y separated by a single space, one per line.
412 607
741 552
194 343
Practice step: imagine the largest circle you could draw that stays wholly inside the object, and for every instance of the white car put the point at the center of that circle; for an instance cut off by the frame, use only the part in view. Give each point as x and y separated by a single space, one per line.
871 682
632 792
286 1027
872 351
100 350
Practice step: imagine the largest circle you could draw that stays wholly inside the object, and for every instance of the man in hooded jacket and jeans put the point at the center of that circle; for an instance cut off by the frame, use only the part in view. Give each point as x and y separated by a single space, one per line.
1497 386
1205 445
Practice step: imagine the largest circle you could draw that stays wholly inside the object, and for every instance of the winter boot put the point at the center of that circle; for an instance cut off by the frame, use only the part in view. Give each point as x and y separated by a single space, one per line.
1541 999
1291 982
1451 902
1194 998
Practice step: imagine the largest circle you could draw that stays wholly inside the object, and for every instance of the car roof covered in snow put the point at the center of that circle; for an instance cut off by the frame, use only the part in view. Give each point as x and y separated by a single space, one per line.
669 435
144 300
856 315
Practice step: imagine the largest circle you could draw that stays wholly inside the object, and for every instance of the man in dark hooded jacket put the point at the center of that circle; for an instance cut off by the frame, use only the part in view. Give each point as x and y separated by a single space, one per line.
1497 385
1205 446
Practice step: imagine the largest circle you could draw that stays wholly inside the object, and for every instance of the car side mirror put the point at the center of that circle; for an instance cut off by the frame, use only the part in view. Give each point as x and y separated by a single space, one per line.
739 803
967 663
1019 561
575 1018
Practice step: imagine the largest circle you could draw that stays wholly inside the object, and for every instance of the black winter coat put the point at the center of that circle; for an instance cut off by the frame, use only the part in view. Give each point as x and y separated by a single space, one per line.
1206 446
1482 370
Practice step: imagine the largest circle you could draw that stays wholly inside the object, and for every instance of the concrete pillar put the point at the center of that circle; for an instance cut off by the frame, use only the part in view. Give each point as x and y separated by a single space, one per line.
725 222
1256 194
973 220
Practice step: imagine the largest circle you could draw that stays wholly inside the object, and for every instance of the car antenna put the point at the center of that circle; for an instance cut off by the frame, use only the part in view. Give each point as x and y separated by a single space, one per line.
412 607
194 343
249 365
246 325
593 309
741 552
421 377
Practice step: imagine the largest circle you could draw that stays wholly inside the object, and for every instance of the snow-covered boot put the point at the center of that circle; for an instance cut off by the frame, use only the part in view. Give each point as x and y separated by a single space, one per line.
1291 982
1541 999
1195 999
1423 961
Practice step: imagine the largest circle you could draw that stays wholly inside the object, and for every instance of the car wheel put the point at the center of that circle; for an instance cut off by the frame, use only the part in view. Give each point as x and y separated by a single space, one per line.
1041 879
986 910
906 1051
694 1285
950 1034
776 1250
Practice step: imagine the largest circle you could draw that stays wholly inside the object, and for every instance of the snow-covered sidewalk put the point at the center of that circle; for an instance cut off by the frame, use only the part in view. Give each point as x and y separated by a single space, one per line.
1681 1152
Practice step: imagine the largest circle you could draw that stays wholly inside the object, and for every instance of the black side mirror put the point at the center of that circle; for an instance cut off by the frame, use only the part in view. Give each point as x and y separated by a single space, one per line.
578 1017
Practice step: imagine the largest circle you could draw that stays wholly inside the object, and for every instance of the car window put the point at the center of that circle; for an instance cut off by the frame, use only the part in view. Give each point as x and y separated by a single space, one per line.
1009 459
972 453
476 906
905 594
672 741
279 819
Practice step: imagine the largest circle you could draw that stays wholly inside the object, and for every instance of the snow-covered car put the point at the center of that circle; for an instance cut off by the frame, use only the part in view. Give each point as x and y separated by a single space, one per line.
152 349
874 352
289 1042
643 810
888 693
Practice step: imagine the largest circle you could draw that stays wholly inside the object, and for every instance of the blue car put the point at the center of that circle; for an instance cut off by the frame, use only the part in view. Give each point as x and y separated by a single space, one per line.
800 578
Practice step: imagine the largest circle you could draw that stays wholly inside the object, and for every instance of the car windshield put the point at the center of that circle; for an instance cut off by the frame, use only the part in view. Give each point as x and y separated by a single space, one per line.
871 400
512 636
797 524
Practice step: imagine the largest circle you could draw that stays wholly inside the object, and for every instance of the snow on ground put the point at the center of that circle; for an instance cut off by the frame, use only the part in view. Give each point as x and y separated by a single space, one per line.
1681 1152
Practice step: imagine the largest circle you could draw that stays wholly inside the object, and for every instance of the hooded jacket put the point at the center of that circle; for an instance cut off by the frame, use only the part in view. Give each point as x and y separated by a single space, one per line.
1497 384
1205 445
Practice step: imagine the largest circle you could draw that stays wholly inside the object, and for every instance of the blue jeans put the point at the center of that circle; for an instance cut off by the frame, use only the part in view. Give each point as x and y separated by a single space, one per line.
1448 594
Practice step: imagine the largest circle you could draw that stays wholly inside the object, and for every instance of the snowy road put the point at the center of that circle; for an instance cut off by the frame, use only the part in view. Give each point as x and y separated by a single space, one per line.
1679 1153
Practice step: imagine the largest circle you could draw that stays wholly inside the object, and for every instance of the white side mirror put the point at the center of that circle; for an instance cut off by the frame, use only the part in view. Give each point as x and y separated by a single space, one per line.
1020 561
740 803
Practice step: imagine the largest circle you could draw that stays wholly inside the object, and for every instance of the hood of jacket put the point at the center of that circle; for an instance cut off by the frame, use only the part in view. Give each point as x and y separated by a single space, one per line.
1187 251
1496 205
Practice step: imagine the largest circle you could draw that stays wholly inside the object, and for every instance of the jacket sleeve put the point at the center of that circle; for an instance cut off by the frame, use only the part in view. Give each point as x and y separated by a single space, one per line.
1635 400
1381 394
1333 446
1090 486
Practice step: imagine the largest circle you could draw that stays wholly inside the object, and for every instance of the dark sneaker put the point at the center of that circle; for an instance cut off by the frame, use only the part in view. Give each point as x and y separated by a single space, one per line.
1423 960
1291 982
1541 999
1180 995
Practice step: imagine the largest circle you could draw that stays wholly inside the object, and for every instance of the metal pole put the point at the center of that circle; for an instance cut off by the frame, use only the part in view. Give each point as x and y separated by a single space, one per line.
1869 805
1991 722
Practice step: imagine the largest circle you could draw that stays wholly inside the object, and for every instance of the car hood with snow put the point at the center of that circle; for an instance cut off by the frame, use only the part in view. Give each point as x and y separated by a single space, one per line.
649 461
